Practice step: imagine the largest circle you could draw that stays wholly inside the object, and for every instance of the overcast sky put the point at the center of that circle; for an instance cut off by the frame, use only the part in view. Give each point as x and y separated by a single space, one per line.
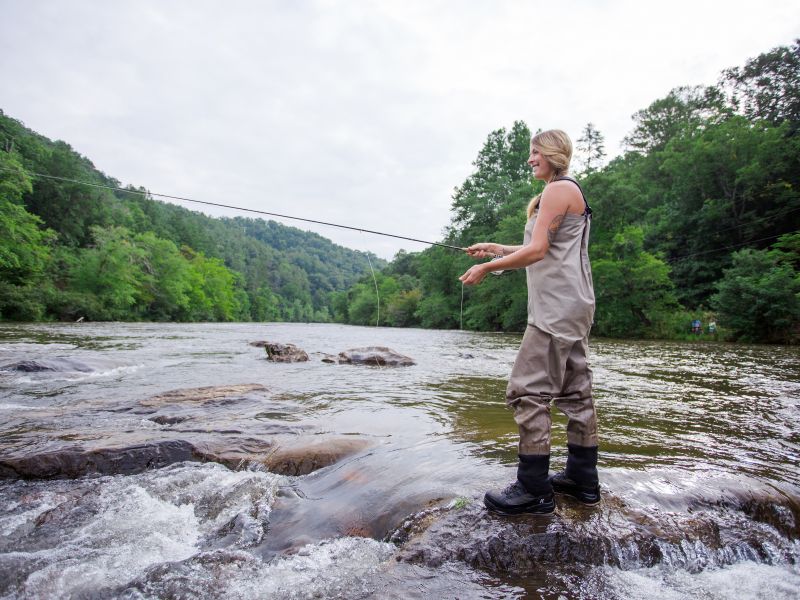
361 113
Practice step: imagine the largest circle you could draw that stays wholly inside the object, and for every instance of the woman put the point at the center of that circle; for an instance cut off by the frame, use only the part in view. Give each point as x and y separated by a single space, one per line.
551 365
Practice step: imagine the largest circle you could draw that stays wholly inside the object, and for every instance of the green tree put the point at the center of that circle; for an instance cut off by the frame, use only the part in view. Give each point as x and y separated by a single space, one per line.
24 244
214 290
591 147
401 308
111 270
634 293
730 185
501 180
683 108
758 299
768 87
166 279
264 305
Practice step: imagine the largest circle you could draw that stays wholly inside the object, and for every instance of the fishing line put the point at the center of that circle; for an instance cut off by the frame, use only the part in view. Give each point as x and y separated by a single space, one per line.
461 318
377 293
252 210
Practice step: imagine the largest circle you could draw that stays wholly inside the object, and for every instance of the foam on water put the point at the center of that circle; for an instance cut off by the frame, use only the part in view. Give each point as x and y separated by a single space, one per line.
116 371
133 532
102 532
12 520
51 377
338 568
741 580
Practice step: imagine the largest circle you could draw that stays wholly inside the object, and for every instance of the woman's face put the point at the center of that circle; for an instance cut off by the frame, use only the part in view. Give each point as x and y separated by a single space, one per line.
542 169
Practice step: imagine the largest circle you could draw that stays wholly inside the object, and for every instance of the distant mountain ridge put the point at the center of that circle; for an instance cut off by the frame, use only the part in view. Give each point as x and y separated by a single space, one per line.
277 272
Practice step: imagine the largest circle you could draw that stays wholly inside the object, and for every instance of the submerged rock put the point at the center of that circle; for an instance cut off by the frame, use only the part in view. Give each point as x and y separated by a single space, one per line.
167 419
203 395
48 364
375 355
284 352
304 456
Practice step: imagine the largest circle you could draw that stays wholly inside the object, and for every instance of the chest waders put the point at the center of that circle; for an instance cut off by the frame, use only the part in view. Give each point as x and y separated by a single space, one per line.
552 368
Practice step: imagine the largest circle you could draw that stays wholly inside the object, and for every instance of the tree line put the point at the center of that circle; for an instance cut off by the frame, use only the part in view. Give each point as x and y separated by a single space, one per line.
68 250
696 221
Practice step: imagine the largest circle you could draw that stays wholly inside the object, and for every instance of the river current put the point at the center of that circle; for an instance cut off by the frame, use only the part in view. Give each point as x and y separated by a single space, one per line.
698 464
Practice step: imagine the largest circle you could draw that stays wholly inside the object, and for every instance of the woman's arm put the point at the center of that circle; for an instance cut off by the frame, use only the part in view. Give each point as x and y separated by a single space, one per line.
487 249
558 199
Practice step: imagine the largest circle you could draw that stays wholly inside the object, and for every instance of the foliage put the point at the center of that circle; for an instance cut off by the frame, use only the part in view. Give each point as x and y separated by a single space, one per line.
758 298
634 292
768 86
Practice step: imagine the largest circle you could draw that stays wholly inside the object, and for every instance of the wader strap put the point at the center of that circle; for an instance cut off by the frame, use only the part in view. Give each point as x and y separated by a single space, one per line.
588 210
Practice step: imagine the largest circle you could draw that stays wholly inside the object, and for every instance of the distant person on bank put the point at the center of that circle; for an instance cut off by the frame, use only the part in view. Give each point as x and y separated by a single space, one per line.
551 365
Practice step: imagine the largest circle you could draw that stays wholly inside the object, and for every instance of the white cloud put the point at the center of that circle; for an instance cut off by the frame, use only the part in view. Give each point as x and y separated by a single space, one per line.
366 114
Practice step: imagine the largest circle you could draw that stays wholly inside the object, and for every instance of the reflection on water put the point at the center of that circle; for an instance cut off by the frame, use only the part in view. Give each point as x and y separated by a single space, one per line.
699 446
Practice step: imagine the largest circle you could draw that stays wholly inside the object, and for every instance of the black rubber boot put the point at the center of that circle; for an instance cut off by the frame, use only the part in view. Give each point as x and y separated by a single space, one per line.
579 479
530 493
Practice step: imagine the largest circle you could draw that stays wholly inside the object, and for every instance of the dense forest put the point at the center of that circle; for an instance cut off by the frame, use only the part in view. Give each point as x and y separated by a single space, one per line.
697 220
69 250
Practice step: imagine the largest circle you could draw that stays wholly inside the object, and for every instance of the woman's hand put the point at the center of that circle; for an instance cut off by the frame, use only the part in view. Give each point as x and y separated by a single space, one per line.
474 275
484 250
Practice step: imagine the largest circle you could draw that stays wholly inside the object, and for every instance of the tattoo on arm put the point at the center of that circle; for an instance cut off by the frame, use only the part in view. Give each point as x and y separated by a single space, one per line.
554 226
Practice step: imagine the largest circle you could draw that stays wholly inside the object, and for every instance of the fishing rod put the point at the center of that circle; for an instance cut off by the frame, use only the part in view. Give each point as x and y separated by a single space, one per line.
252 210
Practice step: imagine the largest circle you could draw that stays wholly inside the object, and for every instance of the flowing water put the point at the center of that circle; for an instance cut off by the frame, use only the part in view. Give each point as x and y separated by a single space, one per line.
699 468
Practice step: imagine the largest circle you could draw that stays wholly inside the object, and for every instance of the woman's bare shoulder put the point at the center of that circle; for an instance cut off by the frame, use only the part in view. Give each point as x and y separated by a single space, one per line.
563 196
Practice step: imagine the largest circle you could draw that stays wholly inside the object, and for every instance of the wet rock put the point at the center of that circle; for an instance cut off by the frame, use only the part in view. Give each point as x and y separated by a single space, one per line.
298 457
167 419
779 511
284 352
259 343
76 462
612 535
202 395
329 358
234 454
306 456
48 364
375 355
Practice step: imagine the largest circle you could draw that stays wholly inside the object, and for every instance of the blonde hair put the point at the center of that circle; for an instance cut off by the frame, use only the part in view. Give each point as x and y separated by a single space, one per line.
556 147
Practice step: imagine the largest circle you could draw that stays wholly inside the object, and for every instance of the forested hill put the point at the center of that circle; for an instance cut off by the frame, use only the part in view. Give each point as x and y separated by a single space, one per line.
69 250
697 221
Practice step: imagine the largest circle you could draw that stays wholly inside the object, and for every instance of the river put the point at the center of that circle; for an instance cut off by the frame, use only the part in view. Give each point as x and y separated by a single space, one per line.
698 465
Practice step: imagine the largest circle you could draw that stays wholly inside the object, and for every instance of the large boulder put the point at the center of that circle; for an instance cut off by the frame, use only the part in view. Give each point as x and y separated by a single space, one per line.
75 461
296 457
379 356
284 352
613 534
